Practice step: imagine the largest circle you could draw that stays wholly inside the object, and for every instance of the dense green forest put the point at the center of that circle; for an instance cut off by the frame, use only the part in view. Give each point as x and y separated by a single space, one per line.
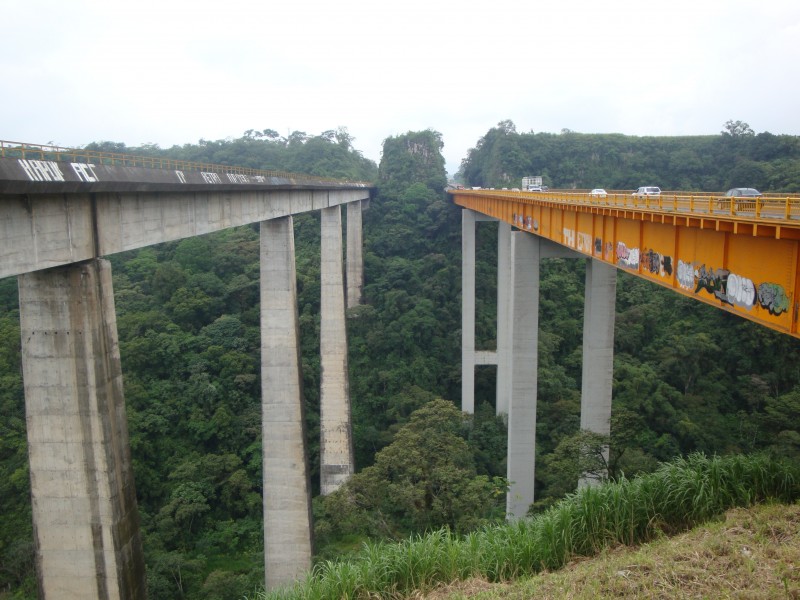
687 377
738 157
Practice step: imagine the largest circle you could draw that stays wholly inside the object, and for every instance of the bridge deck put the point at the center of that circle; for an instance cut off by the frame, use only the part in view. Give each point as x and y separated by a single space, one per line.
59 206
742 257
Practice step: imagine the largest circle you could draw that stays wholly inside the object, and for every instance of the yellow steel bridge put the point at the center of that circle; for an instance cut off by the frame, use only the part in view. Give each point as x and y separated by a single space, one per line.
739 254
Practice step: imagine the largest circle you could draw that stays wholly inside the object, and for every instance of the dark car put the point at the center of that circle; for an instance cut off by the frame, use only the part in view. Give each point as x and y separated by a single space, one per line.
744 199
743 193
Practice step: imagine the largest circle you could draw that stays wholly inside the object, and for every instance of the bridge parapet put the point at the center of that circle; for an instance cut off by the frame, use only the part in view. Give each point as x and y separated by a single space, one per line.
36 168
770 208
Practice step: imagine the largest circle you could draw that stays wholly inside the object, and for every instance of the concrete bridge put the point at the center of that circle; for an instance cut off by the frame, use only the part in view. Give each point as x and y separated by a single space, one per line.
61 211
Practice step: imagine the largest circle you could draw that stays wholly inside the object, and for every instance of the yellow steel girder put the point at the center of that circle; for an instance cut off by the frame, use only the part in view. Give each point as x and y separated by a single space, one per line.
744 260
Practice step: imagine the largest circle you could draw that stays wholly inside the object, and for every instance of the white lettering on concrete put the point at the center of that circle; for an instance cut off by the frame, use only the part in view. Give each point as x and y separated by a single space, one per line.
259 178
237 178
41 170
210 177
85 172
181 176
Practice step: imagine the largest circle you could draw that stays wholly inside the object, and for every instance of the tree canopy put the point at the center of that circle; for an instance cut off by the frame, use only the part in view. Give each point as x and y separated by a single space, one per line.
736 158
687 377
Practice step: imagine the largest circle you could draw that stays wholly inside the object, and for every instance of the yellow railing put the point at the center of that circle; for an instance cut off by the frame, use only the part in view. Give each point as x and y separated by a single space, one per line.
771 207
57 153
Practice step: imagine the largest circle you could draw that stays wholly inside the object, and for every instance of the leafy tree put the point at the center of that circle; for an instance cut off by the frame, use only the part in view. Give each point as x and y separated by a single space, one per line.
737 129
425 479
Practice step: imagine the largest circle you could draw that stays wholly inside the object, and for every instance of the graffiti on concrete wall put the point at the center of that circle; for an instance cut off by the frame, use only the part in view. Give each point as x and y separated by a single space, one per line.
732 288
41 170
210 177
48 170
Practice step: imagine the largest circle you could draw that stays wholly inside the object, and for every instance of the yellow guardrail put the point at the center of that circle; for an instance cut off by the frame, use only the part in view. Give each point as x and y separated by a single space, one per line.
59 154
769 207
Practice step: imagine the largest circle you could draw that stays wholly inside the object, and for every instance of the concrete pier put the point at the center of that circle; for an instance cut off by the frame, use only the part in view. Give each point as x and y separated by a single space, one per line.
519 256
86 523
525 255
287 492
504 322
337 462
470 357
355 255
598 350
468 311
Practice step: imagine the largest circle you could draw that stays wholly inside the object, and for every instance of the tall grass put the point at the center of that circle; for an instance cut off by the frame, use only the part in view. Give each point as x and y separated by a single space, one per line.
679 495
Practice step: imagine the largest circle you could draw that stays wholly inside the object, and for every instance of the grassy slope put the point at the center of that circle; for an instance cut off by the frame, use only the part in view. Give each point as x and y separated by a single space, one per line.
749 553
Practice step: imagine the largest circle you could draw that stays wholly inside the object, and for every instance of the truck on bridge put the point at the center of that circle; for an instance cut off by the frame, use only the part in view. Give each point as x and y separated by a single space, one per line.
532 183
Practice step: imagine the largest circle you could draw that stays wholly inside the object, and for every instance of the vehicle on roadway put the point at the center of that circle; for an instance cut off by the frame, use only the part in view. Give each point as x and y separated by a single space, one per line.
743 193
743 198
598 193
647 191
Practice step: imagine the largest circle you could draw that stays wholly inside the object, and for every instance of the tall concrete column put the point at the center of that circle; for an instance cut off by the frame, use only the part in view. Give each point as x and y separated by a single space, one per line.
503 390
337 460
467 311
287 491
85 517
598 350
525 254
355 256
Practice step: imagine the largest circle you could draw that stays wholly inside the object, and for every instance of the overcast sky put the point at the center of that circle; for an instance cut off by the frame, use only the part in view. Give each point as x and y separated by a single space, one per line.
176 71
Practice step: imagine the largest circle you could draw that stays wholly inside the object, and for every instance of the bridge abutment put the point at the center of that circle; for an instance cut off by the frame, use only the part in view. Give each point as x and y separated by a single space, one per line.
86 524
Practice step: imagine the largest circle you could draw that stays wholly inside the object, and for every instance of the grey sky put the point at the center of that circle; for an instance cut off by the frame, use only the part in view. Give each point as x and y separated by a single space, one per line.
176 71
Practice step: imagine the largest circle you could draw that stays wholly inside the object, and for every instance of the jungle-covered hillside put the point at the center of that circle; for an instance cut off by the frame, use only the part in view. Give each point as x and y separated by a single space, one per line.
687 377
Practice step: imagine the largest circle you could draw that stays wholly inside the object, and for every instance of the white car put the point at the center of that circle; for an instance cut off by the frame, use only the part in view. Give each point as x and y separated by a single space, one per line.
598 193
647 191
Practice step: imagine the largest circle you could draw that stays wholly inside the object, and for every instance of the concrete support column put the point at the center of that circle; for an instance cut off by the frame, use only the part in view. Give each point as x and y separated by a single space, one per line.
287 491
503 390
598 350
355 256
85 517
337 461
467 311
525 255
